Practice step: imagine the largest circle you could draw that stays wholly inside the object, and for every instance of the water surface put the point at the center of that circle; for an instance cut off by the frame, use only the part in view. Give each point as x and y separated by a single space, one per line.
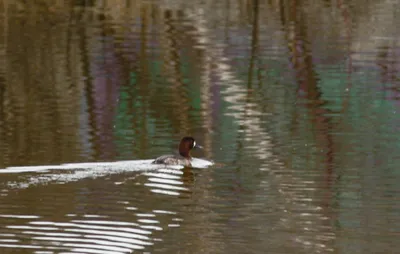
297 102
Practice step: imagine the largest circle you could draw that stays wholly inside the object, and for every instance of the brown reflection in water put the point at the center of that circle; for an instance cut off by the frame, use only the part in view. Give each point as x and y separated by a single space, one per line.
3 150
307 80
254 44
188 178
88 87
172 67
347 21
143 71
59 110
38 90
388 64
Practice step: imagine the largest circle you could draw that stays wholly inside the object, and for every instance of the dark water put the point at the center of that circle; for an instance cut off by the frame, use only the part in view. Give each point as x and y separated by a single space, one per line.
297 101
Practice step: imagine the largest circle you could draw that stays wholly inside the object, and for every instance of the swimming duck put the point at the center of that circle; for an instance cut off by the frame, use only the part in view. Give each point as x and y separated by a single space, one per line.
184 158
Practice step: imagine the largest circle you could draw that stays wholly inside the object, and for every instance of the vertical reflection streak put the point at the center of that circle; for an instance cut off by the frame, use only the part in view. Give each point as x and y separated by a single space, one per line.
173 65
250 120
3 79
307 81
308 84
348 23
88 88
254 43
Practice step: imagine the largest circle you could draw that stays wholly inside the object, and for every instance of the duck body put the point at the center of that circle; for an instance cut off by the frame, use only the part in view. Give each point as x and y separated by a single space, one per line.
184 158
173 160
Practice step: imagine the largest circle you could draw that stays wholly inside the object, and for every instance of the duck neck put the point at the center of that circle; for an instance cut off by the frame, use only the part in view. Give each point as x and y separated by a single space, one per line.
183 150
184 154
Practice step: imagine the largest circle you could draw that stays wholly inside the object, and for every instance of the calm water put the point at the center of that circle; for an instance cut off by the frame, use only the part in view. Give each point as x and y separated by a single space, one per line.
297 102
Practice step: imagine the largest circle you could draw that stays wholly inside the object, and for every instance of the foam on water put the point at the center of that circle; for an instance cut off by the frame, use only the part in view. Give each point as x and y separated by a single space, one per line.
77 171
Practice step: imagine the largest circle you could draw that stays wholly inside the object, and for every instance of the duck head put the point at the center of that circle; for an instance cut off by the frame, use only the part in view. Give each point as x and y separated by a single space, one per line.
187 144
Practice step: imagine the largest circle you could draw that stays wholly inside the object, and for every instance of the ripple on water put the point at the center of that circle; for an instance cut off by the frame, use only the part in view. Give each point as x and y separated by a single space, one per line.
92 235
166 181
94 232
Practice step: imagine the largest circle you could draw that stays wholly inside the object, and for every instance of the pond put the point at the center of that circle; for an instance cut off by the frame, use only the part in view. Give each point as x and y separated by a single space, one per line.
296 102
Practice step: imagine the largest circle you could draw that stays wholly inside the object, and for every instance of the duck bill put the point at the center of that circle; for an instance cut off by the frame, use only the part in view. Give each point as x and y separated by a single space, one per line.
198 146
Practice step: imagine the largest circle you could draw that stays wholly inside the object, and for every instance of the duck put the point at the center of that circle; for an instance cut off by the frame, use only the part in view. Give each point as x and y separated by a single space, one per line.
184 158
